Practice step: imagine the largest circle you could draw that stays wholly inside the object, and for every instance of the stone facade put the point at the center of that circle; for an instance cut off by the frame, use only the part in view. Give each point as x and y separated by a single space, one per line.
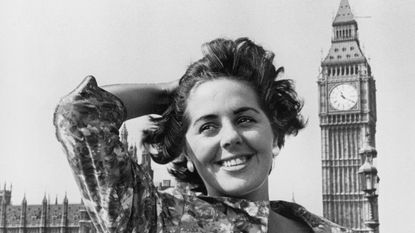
347 113
43 218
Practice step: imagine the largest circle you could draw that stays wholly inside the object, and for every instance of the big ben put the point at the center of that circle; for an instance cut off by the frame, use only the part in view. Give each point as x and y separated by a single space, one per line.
347 101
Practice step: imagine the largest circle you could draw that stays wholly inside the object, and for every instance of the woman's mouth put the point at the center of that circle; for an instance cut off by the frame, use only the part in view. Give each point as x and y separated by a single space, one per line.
235 162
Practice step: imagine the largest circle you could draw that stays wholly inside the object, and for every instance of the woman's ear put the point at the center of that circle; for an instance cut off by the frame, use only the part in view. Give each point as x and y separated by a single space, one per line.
275 148
275 151
187 154
189 164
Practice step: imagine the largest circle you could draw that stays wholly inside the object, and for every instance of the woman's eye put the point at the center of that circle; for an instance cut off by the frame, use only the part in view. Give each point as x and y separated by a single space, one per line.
245 120
207 128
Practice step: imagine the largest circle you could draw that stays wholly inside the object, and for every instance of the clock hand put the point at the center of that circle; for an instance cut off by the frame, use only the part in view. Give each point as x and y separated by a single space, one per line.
342 95
349 100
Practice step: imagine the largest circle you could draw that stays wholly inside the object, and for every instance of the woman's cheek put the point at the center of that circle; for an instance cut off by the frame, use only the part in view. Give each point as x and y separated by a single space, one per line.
205 149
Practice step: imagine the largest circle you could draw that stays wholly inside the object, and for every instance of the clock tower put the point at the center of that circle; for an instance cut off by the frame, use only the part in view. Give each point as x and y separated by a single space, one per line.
348 123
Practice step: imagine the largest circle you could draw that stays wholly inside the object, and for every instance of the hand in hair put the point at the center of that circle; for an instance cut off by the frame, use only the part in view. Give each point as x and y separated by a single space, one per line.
148 124
143 99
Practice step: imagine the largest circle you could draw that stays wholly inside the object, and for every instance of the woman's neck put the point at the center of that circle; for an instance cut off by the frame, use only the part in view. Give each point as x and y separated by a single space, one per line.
259 194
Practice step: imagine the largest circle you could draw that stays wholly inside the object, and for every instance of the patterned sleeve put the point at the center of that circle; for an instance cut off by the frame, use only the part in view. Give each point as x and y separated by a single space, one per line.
117 194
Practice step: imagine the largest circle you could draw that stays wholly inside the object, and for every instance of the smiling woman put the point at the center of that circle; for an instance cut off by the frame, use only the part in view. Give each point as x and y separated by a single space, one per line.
230 140
219 127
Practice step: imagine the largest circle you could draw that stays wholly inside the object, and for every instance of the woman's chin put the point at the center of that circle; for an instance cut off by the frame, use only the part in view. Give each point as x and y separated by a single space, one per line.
245 189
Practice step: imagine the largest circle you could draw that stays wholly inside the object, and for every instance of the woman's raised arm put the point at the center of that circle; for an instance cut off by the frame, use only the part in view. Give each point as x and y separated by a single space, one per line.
113 188
143 99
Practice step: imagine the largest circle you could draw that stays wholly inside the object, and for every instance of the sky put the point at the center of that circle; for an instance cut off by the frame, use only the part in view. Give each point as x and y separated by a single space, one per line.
47 47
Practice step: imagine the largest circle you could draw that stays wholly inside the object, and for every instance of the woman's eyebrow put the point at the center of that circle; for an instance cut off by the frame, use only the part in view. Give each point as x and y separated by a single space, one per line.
235 112
244 109
205 118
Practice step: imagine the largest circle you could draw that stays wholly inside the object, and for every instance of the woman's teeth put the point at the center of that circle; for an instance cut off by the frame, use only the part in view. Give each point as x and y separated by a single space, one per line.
235 161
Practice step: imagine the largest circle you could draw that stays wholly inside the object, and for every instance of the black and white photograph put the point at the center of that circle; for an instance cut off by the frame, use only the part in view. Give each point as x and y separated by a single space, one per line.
207 116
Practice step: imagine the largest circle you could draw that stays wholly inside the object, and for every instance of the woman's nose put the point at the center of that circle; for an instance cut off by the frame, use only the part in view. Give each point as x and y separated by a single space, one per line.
230 136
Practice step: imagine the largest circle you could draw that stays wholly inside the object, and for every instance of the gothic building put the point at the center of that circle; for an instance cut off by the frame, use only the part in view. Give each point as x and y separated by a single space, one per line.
348 126
58 218
43 218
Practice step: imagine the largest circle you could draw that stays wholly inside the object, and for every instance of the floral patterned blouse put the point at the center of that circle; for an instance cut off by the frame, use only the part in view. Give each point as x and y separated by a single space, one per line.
120 197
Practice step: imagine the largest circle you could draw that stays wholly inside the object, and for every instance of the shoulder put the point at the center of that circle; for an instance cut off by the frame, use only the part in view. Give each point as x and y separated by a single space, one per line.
298 213
280 223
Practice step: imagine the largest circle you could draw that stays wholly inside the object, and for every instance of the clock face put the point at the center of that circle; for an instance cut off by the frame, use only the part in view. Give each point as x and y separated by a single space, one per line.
343 97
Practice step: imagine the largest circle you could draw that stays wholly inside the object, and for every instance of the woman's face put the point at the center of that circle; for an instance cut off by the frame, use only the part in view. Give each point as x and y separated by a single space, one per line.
229 139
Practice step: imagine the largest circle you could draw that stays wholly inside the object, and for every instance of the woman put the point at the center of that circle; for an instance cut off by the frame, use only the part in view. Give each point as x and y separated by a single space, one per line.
220 127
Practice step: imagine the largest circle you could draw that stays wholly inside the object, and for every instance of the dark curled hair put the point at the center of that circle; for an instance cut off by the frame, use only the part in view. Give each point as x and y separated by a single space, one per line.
240 60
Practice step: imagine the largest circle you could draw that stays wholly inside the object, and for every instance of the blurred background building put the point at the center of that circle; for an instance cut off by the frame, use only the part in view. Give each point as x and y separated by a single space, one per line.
55 217
46 217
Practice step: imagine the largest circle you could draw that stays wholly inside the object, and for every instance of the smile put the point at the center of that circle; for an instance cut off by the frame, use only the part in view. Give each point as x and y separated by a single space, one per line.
235 161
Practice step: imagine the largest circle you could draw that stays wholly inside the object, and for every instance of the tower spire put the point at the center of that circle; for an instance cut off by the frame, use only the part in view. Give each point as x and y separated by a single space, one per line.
44 200
344 14
345 41
23 216
64 220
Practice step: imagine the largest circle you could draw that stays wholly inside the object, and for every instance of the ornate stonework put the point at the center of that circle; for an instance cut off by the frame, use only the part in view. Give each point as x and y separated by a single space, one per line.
347 116
46 217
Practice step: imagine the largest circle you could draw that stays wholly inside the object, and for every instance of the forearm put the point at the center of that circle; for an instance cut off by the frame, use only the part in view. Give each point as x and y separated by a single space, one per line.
87 122
143 99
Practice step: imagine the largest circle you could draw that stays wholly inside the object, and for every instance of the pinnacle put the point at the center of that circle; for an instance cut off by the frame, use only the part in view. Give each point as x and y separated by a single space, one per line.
344 13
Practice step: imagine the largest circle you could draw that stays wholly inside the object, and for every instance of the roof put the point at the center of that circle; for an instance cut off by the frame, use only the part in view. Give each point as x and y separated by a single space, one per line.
34 214
344 52
344 14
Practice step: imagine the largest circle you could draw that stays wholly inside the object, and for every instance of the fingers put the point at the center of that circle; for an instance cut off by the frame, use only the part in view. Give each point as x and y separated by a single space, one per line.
151 123
154 117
